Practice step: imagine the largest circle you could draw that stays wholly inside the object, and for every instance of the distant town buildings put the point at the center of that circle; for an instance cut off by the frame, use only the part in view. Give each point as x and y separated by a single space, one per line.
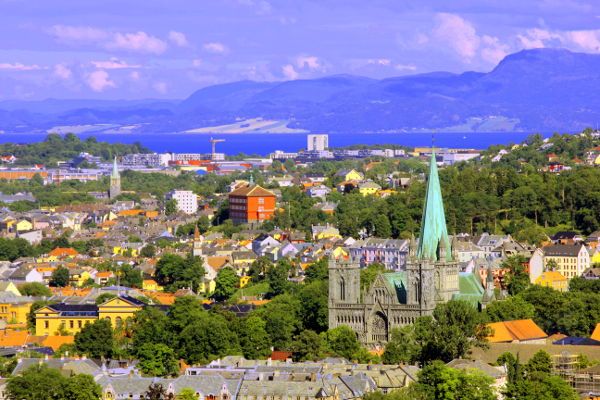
187 201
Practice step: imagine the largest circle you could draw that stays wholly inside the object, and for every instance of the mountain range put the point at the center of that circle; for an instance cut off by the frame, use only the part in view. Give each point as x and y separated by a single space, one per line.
533 90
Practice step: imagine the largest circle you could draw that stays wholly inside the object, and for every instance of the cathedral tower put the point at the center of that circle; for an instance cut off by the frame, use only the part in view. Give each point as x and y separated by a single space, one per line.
115 181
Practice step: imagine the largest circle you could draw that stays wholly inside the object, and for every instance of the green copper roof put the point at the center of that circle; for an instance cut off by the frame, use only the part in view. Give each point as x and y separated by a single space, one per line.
433 223
470 289
115 170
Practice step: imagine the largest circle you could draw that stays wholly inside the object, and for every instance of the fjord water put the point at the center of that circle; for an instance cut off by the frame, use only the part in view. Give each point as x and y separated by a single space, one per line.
264 144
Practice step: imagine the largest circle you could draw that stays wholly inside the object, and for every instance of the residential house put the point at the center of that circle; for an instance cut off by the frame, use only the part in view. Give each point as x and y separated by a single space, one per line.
325 232
14 309
320 191
251 204
368 188
467 251
390 252
350 175
570 260
566 237
553 279
498 374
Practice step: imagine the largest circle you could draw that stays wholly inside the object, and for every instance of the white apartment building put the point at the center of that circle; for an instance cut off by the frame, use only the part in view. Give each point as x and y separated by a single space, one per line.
317 142
187 201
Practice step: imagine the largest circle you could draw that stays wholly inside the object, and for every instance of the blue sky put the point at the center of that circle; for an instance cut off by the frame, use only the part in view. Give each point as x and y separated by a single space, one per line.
123 49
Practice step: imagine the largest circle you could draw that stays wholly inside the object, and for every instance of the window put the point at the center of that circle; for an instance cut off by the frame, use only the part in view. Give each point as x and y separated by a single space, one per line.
261 200
46 324
71 324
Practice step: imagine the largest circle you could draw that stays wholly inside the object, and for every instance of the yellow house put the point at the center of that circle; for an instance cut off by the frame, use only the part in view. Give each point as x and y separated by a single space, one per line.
151 285
119 310
50 320
24 226
350 175
553 279
244 281
596 257
79 277
207 286
368 188
14 309
73 317
121 250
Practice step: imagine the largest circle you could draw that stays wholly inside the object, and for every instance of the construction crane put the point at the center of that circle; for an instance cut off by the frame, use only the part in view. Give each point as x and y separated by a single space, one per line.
214 142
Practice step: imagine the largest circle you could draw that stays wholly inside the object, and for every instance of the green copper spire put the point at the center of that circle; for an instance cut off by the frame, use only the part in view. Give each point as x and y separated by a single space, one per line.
434 241
115 170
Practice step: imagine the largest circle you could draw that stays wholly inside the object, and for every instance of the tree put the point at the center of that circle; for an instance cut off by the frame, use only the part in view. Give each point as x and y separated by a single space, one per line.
510 309
368 275
254 338
226 284
60 277
277 276
42 382
148 251
157 391
171 207
308 346
540 387
517 279
540 362
104 297
187 394
454 328
36 305
35 289
317 271
130 277
314 313
401 348
259 267
96 339
342 341
82 387
282 315
207 338
174 272
150 325
157 359
437 381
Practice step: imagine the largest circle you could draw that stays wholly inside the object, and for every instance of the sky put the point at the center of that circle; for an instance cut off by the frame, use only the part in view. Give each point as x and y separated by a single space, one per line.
140 49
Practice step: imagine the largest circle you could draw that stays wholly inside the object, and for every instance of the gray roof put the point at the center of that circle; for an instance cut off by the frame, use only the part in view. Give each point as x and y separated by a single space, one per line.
565 250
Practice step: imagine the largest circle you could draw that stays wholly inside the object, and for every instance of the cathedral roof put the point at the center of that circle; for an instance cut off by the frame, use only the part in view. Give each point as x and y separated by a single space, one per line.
470 289
395 281
433 223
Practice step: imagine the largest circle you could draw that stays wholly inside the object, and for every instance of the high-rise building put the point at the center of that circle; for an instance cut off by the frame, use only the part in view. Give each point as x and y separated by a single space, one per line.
115 181
251 204
187 201
317 142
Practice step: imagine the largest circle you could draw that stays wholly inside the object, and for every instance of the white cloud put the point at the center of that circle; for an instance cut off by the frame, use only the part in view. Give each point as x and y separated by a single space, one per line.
77 33
139 41
289 72
461 36
99 80
160 87
114 63
262 7
457 33
19 67
62 71
310 62
385 62
581 40
405 67
178 38
216 47
197 62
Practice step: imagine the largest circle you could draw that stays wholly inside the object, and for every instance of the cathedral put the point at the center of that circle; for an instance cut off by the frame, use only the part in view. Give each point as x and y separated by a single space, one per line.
115 182
398 298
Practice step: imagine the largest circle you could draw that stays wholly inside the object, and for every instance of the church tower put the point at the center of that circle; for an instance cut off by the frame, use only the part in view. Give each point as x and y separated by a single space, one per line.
432 271
197 249
115 181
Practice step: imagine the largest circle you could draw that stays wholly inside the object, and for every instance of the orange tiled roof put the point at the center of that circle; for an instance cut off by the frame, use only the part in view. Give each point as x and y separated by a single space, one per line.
56 341
130 213
252 191
63 252
217 262
161 297
104 274
596 333
70 291
13 338
100 234
508 331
